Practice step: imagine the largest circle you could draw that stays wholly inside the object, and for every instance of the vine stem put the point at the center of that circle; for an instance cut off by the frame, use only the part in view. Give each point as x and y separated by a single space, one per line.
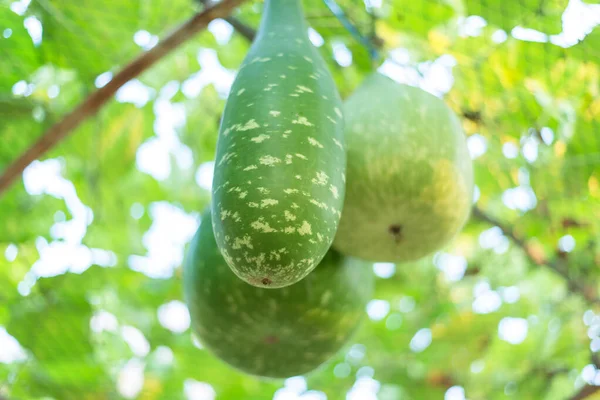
92 104
246 31
341 16
554 265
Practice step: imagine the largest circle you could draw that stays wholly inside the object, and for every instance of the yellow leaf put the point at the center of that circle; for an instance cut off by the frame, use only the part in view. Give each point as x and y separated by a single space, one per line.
136 133
388 35
560 148
117 126
438 330
438 41
152 389
594 186
593 111
470 127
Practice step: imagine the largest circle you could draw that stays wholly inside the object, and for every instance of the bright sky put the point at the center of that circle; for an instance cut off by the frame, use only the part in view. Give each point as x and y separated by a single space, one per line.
172 228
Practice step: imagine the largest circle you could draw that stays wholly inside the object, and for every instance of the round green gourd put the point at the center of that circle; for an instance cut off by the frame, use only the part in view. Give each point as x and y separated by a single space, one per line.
278 187
410 177
273 333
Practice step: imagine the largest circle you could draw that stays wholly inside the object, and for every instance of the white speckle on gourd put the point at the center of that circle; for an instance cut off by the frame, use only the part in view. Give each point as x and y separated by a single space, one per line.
239 242
314 142
308 59
289 216
243 195
225 214
226 157
253 205
305 229
290 191
261 225
260 138
268 202
303 89
318 204
338 112
282 76
335 191
241 91
288 131
331 119
295 206
338 143
320 178
250 167
288 158
302 121
302 156
298 177
251 124
275 113
289 229
258 59
269 160
263 190
270 86
226 256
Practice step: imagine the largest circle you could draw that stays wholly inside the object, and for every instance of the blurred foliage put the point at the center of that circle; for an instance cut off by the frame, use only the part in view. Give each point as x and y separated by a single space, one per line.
78 234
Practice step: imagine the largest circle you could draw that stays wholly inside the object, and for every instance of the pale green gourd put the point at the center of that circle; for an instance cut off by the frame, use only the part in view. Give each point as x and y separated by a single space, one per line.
410 176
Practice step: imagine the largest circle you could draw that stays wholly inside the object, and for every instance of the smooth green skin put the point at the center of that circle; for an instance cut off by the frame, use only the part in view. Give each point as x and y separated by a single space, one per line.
410 176
278 187
273 333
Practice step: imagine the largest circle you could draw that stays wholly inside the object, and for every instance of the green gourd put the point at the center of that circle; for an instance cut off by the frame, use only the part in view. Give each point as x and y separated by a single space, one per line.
278 185
273 333
410 176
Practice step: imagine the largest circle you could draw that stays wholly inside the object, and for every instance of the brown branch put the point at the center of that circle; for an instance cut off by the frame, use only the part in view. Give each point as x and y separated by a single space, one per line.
90 106
585 392
556 265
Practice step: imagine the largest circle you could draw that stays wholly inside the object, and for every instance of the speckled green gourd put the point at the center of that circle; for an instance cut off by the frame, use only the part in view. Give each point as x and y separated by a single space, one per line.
410 176
280 166
273 333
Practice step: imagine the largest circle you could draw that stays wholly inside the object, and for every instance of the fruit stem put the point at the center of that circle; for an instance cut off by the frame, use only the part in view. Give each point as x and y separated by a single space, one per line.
283 17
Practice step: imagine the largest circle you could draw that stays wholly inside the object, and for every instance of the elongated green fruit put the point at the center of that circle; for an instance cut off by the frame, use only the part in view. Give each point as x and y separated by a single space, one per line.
278 187
273 333
410 176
